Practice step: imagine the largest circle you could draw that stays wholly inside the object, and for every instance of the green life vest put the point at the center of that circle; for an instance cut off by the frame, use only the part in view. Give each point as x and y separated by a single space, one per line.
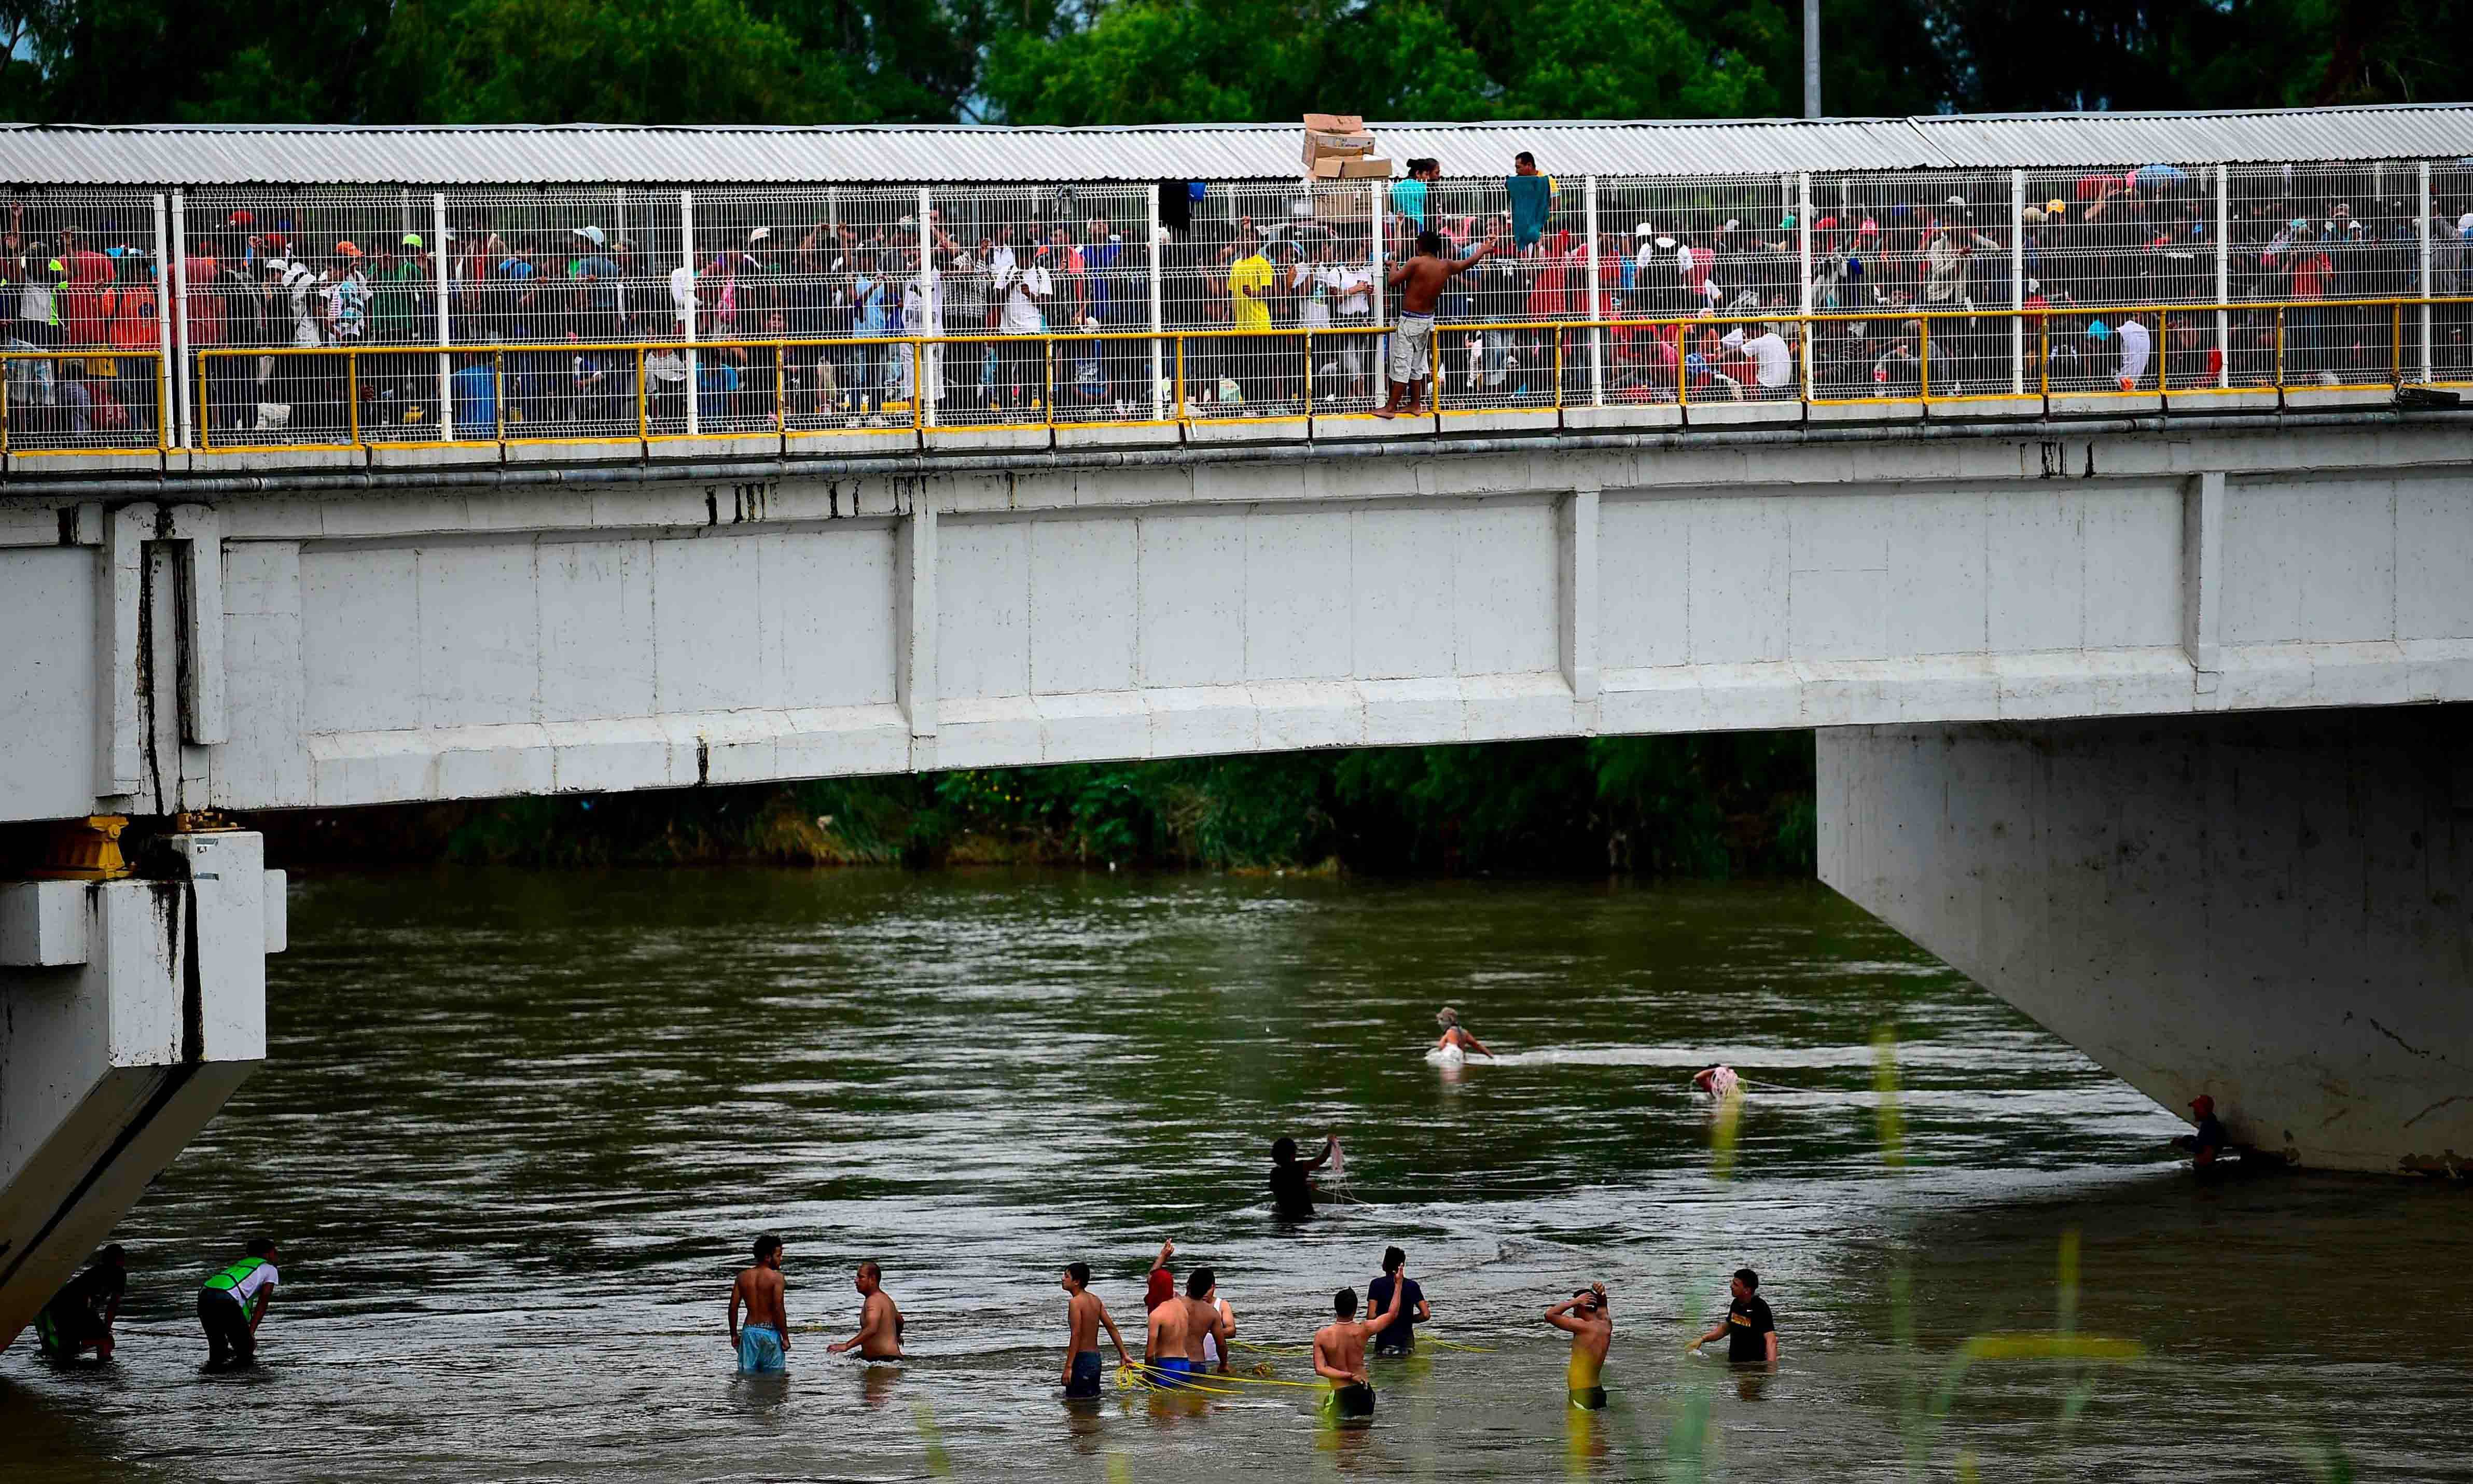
231 1278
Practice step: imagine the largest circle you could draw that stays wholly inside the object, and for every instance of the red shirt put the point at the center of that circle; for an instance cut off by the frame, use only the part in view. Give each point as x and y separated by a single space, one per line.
204 309
2311 272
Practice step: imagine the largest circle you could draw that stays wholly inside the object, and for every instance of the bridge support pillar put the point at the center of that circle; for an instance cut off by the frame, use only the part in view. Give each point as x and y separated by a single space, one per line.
2272 908
130 1010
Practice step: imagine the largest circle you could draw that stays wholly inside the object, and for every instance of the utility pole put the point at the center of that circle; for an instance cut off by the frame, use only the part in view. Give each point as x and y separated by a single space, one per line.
1812 59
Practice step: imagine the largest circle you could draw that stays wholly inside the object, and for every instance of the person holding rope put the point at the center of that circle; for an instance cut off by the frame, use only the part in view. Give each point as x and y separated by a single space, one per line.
1339 1350
1084 1317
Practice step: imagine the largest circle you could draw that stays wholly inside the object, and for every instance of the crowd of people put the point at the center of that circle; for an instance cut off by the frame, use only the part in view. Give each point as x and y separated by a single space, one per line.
1031 305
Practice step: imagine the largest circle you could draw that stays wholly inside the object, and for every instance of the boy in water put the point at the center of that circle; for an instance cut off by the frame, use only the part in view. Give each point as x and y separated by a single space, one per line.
1084 1317
880 1321
1339 1350
1584 1317
1454 1036
763 1341
1208 1327
1420 281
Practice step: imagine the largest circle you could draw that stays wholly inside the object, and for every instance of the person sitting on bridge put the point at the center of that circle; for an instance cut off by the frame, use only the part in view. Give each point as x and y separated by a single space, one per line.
1291 1193
1453 1037
80 1317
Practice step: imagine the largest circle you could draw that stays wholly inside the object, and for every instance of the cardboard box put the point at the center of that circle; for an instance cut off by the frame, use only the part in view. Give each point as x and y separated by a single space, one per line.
1322 145
1327 167
1364 169
1349 205
1336 122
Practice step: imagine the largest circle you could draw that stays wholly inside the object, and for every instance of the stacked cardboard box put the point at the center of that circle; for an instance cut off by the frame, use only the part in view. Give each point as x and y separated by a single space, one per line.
1337 147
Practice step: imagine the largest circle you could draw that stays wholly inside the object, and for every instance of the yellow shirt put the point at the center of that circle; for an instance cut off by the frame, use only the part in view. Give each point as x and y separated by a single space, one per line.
1250 271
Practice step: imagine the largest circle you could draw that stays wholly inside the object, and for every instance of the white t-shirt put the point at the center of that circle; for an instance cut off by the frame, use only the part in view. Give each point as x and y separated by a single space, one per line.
923 303
1350 286
2136 344
683 293
1768 352
260 1277
1021 314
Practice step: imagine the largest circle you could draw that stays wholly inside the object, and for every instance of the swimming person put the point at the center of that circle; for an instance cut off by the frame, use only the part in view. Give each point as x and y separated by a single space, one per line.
1402 1337
1339 1350
1291 1193
79 1318
232 1303
1167 1344
763 1341
1084 1317
880 1321
1584 1316
1454 1038
1749 1327
1718 1082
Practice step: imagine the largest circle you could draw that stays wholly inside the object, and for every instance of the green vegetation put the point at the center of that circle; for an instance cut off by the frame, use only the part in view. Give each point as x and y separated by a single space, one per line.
1116 62
1737 804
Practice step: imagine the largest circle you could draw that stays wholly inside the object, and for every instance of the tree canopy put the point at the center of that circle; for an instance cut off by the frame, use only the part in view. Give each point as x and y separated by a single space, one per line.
1102 61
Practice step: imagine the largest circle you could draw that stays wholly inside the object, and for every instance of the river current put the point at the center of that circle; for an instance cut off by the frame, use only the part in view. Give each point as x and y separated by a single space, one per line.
516 1131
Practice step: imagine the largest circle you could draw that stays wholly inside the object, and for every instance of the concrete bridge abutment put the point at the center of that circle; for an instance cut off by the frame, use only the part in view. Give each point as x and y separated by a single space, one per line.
2268 907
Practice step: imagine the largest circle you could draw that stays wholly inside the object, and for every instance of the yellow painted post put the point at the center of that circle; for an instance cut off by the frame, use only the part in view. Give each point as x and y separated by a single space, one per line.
2395 358
498 378
2163 353
1309 394
643 416
1048 374
353 394
1558 370
1923 371
2279 353
1180 379
1682 366
782 388
162 393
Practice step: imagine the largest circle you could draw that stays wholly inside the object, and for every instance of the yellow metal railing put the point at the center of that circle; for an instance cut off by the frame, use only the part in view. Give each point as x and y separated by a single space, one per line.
321 399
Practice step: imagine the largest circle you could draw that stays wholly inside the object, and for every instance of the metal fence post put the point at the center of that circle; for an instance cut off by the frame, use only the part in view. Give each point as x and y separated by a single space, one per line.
1379 192
687 325
1158 393
179 271
2428 372
1597 311
1803 255
2017 283
445 336
926 360
162 332
2224 278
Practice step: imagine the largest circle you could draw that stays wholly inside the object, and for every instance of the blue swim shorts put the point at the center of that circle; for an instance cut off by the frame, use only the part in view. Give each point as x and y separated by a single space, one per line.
759 1351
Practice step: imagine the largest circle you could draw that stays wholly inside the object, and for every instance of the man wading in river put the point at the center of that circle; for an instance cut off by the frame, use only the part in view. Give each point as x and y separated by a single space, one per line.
880 1322
1084 1315
1339 1350
1420 281
763 1342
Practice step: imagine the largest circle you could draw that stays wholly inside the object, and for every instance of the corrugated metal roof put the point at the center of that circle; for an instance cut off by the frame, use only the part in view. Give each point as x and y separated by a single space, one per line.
588 154
2267 136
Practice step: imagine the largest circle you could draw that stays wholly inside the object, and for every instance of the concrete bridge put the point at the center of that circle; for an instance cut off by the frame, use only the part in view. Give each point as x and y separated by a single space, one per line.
2150 718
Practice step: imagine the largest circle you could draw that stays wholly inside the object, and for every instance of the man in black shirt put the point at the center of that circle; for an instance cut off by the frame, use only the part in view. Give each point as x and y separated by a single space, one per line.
80 1316
1749 1327
1402 1337
1291 1193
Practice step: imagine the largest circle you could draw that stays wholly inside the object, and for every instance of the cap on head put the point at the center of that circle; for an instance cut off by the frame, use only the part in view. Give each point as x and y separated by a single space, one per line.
2202 1105
347 250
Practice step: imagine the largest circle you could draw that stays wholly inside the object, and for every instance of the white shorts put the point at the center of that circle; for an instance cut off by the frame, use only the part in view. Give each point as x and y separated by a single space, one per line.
1412 348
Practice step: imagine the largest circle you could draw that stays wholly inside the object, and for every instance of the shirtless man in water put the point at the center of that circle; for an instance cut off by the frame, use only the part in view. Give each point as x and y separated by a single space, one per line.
1340 1349
1591 1328
1173 1344
1207 1326
880 1322
763 1341
1420 281
1084 1315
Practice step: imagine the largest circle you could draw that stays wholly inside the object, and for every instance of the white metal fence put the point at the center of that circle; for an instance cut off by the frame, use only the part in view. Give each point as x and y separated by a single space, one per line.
400 316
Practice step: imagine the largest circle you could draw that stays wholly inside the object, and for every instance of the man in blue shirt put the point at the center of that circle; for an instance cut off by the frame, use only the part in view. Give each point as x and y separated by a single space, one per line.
1401 1337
